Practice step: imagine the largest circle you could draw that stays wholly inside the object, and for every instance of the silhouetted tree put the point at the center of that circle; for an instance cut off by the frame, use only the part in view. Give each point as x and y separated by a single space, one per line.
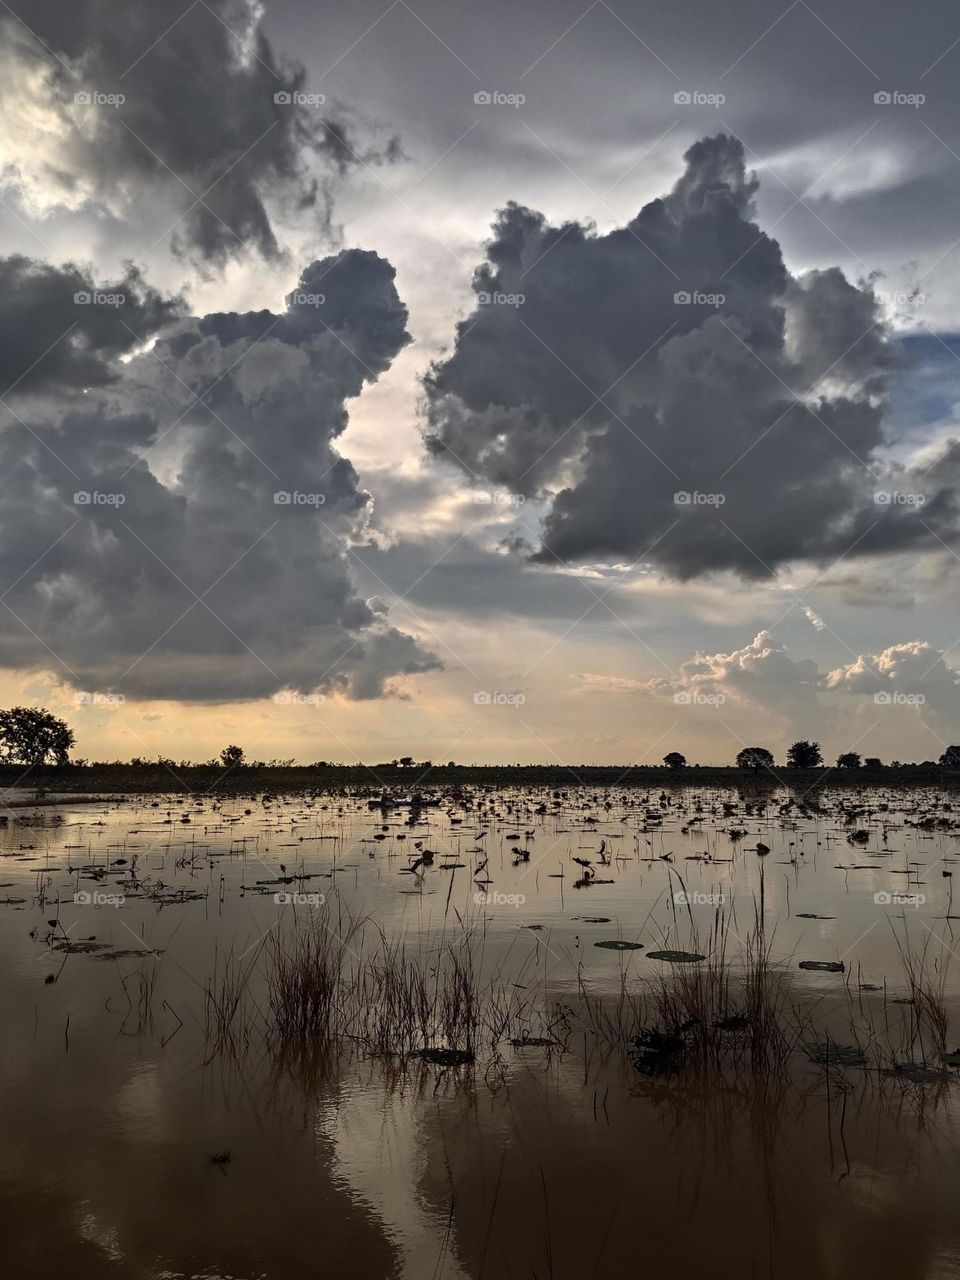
674 760
29 735
755 758
804 755
406 762
231 757
873 762
951 758
848 760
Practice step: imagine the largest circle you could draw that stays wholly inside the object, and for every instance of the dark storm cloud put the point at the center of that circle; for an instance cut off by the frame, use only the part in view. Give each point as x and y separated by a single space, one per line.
182 532
677 394
61 327
199 129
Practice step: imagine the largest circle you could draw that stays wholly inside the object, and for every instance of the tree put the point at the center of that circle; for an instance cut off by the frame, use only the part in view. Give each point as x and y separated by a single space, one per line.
848 760
873 762
804 755
231 757
406 762
674 760
28 735
755 758
951 758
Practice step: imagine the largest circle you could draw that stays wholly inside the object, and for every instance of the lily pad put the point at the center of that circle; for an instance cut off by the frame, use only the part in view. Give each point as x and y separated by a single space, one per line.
826 1053
812 915
676 957
616 945
444 1057
823 966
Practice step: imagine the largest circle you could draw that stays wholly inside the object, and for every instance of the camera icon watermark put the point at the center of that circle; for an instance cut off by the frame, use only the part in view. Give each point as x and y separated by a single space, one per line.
293 698
698 298
684 498
697 98
894 98
82 698
94 98
895 698
492 498
97 298
498 698
296 98
693 698
895 498
494 98
96 898
483 899
294 498
485 299
94 498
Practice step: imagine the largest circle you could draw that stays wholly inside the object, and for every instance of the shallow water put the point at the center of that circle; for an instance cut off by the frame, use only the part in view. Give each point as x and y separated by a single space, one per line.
554 1165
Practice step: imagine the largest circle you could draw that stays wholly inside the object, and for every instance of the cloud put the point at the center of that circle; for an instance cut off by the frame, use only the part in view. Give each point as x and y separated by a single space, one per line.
176 121
761 672
182 529
914 670
62 328
676 395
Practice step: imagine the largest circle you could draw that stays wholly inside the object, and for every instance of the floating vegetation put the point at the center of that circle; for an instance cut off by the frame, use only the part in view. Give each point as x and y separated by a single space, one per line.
617 945
827 1053
676 957
823 966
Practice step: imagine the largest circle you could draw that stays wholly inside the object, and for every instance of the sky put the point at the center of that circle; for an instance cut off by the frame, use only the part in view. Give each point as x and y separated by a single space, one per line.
531 382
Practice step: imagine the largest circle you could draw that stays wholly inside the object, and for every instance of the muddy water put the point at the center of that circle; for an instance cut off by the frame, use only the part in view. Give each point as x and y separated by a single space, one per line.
129 1150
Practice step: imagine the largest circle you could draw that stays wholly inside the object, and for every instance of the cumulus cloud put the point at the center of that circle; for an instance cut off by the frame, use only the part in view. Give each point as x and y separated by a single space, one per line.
676 395
913 673
198 138
762 672
179 528
62 328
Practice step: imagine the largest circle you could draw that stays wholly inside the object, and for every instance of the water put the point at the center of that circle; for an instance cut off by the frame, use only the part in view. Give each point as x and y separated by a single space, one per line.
130 1149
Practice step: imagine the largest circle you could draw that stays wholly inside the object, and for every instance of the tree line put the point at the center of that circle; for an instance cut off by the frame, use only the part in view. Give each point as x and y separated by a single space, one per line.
35 736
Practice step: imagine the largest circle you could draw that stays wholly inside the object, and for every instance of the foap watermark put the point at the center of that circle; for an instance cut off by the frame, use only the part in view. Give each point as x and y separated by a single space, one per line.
496 299
684 898
297 98
84 699
490 498
494 98
94 98
896 698
97 898
293 698
897 498
94 498
895 98
301 299
98 298
483 899
683 498
884 899
693 698
900 299
294 498
698 298
299 899
498 698
698 98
